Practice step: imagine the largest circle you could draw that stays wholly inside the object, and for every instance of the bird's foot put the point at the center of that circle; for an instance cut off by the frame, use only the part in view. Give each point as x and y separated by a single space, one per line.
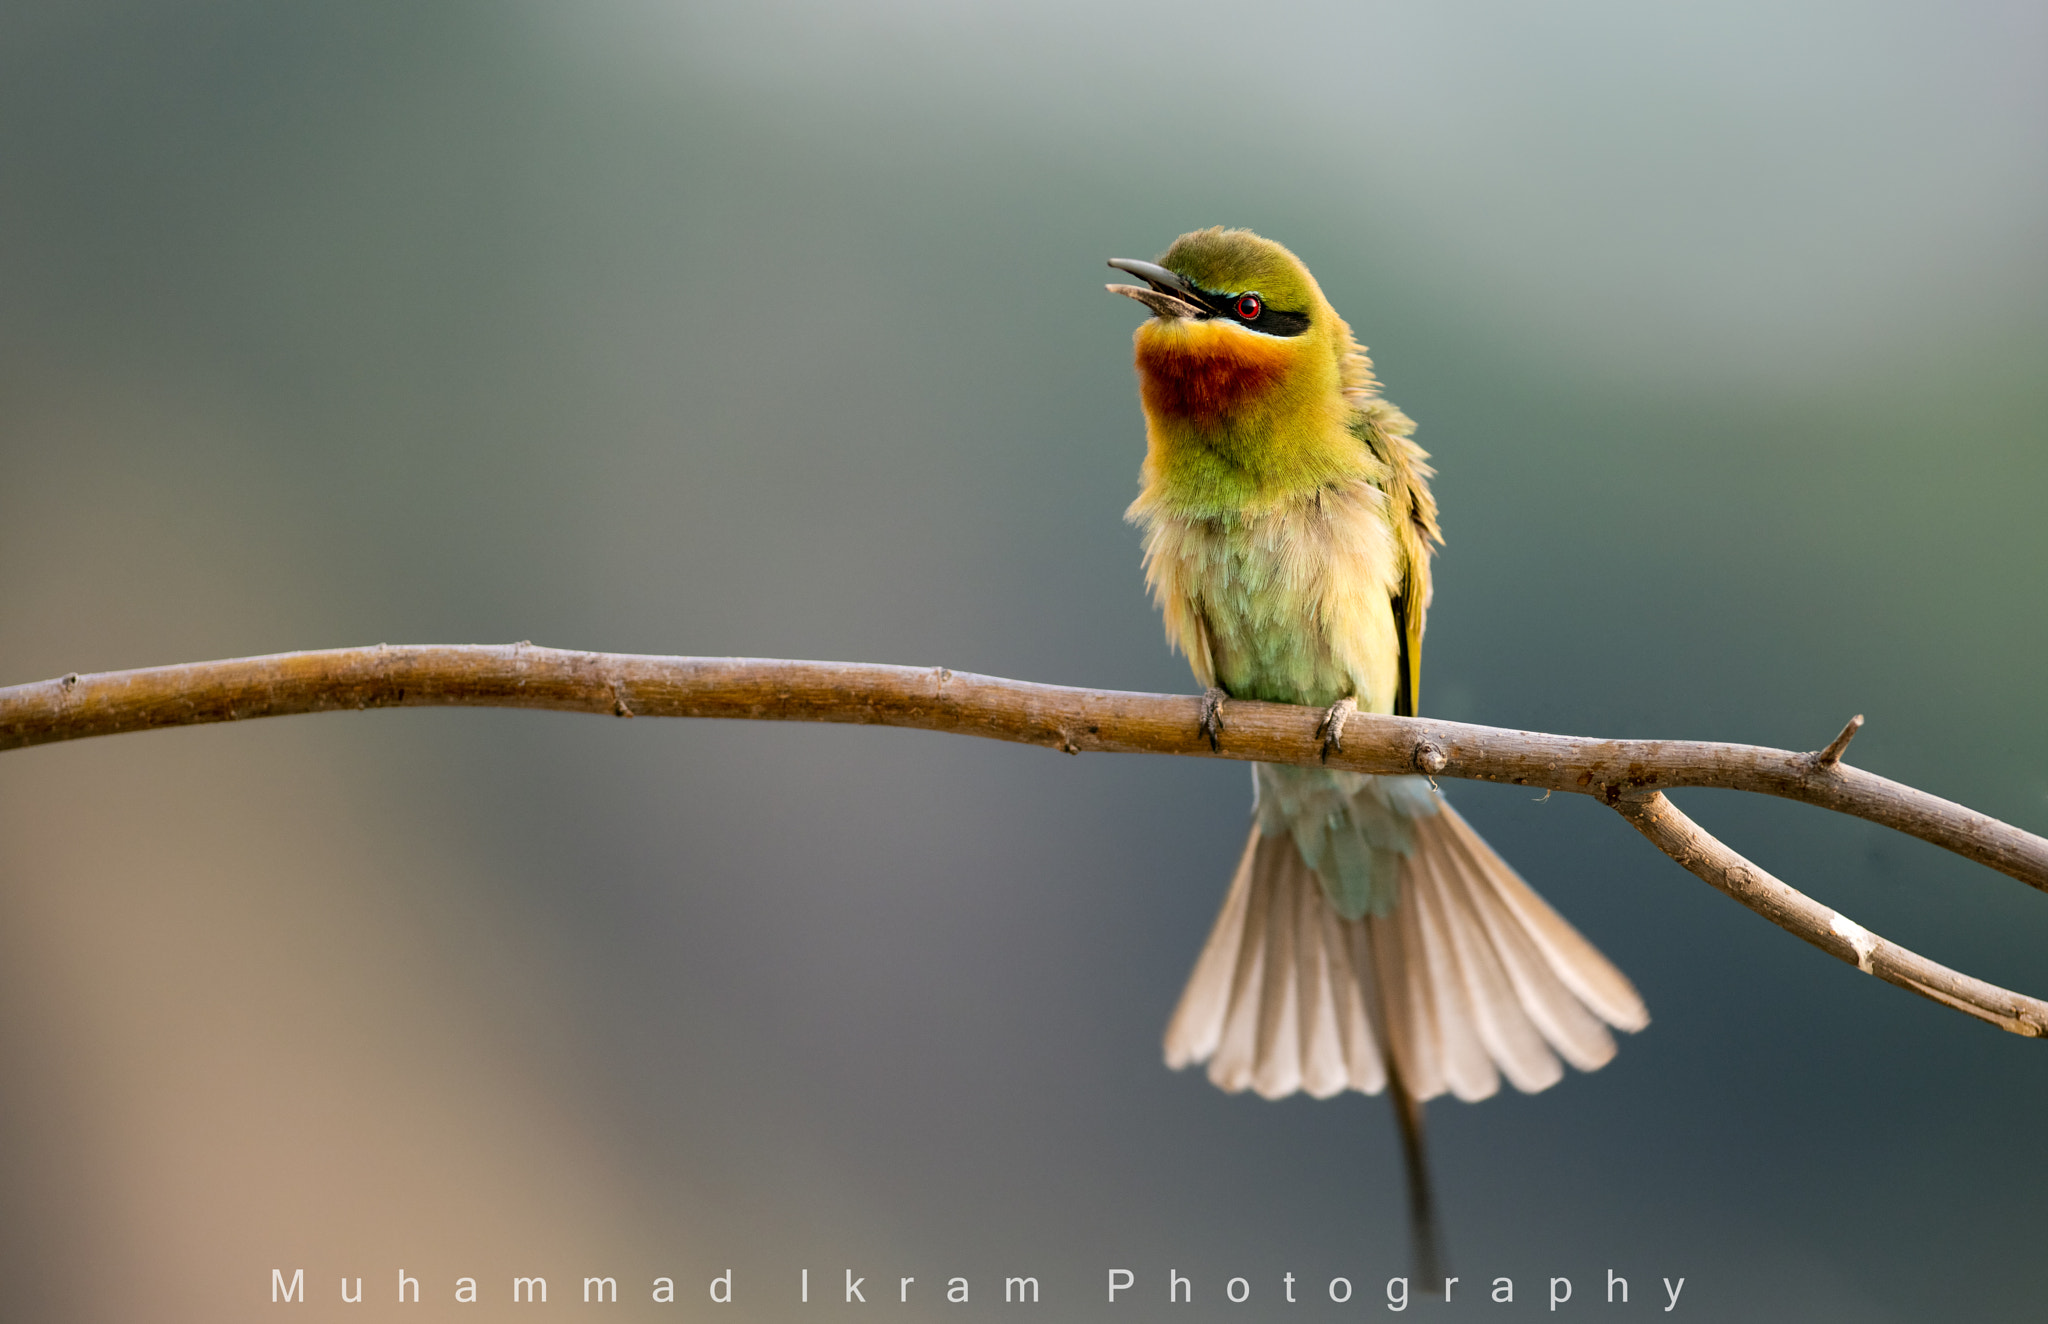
1212 716
1331 730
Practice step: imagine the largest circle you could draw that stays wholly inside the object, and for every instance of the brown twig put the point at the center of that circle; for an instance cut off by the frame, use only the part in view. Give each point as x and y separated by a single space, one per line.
1832 755
1833 932
1627 775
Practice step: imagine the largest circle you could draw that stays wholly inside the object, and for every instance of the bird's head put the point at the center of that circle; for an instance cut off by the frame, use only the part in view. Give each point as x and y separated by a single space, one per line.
1240 334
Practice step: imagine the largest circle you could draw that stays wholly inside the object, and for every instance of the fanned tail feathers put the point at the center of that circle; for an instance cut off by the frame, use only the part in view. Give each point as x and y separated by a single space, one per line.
1471 977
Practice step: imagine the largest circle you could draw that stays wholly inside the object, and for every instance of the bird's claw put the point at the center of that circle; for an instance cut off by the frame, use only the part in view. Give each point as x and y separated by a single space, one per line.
1212 716
1331 729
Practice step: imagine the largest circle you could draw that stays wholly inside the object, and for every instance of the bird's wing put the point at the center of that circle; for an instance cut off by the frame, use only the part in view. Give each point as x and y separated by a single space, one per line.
1411 511
1411 611
1408 679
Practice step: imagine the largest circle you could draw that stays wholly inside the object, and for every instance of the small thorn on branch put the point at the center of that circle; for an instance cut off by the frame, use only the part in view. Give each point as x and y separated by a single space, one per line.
1832 755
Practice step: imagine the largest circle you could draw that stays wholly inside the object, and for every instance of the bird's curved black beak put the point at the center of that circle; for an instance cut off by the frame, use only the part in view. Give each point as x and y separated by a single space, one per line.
1168 296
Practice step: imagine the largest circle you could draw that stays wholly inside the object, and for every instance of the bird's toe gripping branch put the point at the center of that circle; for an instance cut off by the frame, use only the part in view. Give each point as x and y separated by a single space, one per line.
1212 716
1331 729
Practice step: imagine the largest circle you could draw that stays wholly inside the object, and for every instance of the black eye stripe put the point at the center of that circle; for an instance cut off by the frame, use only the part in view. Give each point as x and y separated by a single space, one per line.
1276 323
1267 320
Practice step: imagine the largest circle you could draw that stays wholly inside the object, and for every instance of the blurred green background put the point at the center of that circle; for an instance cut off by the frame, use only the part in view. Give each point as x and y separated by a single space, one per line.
778 330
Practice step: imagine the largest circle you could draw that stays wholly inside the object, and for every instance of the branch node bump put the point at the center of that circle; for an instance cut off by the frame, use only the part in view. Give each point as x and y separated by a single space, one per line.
1861 940
1429 758
1832 755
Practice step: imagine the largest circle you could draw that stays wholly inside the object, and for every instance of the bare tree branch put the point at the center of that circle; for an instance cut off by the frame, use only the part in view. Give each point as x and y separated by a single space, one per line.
1833 932
1627 775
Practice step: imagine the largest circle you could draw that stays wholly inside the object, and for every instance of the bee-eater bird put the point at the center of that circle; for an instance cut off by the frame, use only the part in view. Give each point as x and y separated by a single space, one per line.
1369 939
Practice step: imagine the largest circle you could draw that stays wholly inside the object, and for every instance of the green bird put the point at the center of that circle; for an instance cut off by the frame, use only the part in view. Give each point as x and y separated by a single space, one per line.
1369 939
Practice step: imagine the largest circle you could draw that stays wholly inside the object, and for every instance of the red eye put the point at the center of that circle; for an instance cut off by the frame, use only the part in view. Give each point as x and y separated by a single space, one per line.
1249 307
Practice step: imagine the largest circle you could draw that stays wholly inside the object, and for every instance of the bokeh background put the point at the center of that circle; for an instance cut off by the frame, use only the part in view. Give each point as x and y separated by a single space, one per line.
778 330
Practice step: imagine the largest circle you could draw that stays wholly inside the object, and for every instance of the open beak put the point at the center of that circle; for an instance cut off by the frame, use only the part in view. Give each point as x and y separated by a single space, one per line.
1167 295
